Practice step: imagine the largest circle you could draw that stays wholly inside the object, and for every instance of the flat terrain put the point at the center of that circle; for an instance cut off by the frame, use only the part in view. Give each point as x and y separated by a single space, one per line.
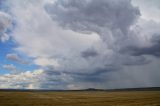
80 98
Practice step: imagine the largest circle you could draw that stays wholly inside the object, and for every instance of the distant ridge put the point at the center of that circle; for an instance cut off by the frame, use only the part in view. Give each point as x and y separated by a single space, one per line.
89 89
137 89
126 89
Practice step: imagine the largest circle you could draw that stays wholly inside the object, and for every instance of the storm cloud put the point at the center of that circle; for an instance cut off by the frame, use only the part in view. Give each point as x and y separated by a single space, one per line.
111 19
85 43
89 53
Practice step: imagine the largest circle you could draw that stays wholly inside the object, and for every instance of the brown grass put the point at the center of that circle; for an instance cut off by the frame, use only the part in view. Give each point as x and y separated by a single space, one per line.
132 98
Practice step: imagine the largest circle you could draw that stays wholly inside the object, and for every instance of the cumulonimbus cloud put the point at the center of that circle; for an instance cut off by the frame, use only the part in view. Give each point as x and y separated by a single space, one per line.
104 17
84 42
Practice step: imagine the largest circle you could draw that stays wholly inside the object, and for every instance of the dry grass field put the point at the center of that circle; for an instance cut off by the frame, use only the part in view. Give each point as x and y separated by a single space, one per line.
80 98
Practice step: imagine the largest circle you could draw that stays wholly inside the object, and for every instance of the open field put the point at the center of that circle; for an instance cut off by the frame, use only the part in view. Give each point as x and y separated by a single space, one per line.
80 98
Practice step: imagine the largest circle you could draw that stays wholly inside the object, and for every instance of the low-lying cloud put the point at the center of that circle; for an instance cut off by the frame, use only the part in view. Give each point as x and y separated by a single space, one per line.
16 58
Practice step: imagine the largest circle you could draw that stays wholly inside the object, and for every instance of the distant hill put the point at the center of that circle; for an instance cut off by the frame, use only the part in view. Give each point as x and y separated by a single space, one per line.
126 89
89 89
137 89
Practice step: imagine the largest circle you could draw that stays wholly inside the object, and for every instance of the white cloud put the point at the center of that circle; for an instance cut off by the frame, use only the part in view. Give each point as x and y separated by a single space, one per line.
40 37
46 62
21 80
149 9
5 22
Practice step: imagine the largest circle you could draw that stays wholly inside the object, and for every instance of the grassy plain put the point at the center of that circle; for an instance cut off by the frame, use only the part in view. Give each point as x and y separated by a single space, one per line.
80 98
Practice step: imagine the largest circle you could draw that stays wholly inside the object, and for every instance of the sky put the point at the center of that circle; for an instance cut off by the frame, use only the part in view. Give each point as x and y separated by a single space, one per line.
79 44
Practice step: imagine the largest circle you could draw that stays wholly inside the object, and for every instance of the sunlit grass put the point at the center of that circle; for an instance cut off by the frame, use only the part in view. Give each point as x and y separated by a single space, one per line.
81 98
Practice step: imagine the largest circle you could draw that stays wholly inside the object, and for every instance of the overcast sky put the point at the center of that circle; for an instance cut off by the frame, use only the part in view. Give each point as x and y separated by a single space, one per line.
78 44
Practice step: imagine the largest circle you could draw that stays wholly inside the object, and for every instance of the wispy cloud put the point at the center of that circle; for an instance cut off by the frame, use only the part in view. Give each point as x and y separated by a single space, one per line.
10 67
